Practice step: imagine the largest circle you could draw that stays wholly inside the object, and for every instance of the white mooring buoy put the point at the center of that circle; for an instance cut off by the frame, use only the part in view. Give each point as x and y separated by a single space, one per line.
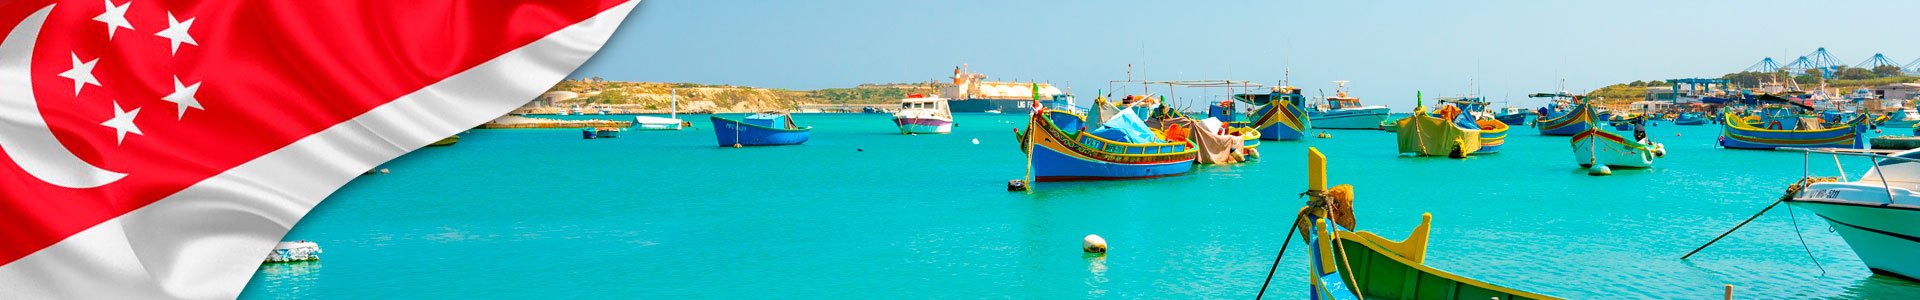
1599 170
976 141
1093 244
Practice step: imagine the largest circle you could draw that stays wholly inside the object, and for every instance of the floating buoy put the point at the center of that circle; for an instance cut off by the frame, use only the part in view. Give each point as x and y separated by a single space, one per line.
1016 185
1676 134
976 141
859 149
384 171
1876 131
1325 135
1599 170
1093 244
736 145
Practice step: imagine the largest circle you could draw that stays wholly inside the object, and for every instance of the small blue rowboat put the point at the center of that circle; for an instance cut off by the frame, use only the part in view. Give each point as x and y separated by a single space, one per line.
1513 119
763 129
1738 134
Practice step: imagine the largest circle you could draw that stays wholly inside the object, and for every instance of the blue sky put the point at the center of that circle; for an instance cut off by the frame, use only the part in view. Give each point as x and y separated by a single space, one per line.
1388 49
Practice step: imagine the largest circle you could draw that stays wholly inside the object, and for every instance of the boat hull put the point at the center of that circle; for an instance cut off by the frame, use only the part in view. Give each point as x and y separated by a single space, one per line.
1058 156
1741 135
656 123
1606 148
1280 121
1384 272
1571 123
729 132
923 125
1883 235
1009 106
1493 136
1425 135
1362 119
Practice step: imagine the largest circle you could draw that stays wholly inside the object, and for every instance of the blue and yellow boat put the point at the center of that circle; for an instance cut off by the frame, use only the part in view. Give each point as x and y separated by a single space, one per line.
1493 135
1280 115
1745 133
1567 122
762 129
1123 147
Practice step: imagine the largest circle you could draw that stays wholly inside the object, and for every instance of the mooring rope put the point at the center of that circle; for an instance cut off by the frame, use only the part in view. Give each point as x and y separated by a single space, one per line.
1803 241
1276 258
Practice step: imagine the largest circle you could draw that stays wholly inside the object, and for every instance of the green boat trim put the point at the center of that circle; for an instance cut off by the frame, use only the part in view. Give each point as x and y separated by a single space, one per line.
1387 269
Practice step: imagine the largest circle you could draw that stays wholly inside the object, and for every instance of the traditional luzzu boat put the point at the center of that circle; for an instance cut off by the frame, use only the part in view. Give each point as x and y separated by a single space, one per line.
1737 133
1564 122
762 129
1345 263
1120 147
1427 135
922 114
1279 115
1513 116
1689 119
1344 112
1599 146
1874 214
1493 136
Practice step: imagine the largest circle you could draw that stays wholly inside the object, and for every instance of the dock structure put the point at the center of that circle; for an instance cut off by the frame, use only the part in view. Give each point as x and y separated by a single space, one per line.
519 122
1895 142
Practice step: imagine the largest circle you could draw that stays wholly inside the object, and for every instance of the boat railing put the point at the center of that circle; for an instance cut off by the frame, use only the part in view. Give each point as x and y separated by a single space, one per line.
1876 155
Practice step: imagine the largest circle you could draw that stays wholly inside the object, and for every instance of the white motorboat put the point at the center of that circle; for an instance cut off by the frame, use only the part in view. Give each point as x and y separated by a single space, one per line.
923 114
1343 112
1876 214
671 122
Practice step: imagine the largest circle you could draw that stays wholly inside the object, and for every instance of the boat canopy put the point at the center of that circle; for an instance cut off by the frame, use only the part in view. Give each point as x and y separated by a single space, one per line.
1897 173
1126 127
772 120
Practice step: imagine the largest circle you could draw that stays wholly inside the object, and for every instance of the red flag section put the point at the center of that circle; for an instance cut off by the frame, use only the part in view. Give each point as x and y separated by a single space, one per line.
170 93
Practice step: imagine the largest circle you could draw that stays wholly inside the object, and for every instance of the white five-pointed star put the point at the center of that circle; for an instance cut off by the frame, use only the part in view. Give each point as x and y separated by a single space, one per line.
182 97
122 122
177 31
115 17
82 73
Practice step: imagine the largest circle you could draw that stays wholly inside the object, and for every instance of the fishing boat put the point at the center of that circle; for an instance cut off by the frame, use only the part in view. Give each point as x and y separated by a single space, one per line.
1595 146
1423 134
606 132
1905 117
1345 112
1279 114
589 133
1118 147
1689 119
1513 116
1493 136
762 129
1557 121
922 114
1390 125
1345 263
1737 133
671 122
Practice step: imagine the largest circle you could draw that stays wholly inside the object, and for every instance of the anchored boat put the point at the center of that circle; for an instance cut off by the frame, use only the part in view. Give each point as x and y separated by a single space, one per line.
1738 133
1279 115
922 114
762 129
1556 121
1121 147
1344 112
671 122
1430 135
1599 146
1493 136
1875 214
1689 119
1513 116
1349 264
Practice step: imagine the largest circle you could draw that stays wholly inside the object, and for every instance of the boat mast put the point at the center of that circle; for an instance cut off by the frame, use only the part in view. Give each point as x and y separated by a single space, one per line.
674 97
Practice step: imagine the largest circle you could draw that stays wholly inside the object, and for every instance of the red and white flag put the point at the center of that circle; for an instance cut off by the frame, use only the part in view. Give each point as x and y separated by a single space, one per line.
159 148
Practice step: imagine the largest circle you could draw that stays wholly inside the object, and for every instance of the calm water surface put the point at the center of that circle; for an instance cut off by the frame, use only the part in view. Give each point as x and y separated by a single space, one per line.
864 212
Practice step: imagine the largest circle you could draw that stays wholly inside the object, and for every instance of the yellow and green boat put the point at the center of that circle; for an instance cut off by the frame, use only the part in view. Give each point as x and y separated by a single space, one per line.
1348 264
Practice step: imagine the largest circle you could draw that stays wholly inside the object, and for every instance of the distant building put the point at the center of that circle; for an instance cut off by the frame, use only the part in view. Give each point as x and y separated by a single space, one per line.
550 98
1898 91
1660 93
1651 106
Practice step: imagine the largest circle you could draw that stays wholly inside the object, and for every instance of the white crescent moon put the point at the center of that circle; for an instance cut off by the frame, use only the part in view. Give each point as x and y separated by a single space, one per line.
23 134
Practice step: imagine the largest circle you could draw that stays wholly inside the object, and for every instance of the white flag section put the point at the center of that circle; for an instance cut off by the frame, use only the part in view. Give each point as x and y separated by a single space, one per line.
206 241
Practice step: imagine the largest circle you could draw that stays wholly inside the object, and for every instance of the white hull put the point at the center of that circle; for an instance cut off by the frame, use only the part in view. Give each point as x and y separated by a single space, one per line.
1587 151
1885 237
1369 118
655 123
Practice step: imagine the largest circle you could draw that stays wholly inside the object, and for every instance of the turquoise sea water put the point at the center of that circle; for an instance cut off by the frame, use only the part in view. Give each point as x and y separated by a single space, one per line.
863 212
